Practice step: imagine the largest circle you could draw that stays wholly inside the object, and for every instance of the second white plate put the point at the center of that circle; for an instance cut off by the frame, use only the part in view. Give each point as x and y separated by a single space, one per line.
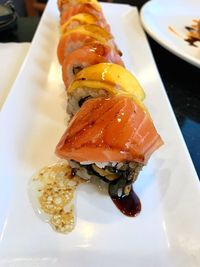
159 16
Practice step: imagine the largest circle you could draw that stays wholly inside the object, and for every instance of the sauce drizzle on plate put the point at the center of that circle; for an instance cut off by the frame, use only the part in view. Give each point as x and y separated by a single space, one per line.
129 205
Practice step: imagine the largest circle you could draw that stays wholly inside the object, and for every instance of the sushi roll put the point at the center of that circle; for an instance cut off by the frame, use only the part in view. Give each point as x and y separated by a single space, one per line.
92 8
88 55
78 20
111 135
77 37
103 79
63 5
110 139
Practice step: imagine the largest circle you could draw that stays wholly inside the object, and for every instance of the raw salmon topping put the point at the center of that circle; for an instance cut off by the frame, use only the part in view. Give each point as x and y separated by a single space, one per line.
109 129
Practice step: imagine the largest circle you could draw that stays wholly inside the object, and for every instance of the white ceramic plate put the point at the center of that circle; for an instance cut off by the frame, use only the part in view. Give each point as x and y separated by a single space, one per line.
157 16
166 233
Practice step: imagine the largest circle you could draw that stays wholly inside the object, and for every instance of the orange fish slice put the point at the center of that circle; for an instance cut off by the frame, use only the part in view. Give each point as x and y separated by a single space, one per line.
110 129
72 10
80 36
90 54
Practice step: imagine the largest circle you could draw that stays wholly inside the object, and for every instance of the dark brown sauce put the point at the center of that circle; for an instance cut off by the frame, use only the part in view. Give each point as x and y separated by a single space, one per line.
189 28
191 41
129 205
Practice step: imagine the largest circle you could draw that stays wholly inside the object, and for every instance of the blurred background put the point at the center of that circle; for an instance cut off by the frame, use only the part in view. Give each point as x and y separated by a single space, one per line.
35 7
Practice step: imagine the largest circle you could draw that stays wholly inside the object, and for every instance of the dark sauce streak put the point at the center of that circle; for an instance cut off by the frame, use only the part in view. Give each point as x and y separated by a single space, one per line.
191 41
129 205
189 28
120 190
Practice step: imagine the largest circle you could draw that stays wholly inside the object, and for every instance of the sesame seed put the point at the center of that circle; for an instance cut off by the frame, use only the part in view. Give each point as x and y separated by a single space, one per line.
57 188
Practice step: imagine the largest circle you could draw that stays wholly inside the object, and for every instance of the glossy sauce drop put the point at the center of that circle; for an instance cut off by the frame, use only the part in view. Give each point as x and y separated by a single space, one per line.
129 205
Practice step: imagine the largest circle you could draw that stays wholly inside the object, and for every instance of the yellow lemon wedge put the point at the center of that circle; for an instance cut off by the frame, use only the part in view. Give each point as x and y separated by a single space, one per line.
93 31
111 90
94 85
83 18
116 76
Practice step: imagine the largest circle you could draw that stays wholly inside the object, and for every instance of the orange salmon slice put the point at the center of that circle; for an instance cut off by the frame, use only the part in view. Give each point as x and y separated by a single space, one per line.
110 129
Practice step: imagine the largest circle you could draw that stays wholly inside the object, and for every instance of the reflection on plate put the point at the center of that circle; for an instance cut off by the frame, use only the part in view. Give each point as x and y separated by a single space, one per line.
166 233
167 22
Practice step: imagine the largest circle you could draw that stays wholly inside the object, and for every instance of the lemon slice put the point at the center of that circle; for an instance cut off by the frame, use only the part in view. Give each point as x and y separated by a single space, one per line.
93 31
111 89
84 18
114 75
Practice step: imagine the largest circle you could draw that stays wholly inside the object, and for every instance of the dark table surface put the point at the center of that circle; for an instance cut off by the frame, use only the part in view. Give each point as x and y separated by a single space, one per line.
181 81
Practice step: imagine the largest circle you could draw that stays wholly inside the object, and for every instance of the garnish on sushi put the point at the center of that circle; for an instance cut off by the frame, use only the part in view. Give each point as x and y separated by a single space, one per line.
103 79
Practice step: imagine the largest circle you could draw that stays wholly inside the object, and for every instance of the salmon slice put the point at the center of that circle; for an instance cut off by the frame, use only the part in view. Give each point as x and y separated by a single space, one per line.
64 4
80 36
71 42
110 129
84 8
90 54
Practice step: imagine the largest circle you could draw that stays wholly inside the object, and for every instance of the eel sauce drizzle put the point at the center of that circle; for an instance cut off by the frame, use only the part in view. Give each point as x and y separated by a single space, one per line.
191 40
52 195
129 205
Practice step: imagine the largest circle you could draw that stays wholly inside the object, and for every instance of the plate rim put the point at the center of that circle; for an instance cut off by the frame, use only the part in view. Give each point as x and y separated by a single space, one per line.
170 47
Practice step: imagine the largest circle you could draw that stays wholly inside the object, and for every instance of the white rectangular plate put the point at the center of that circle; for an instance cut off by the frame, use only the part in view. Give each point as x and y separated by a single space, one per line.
166 233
